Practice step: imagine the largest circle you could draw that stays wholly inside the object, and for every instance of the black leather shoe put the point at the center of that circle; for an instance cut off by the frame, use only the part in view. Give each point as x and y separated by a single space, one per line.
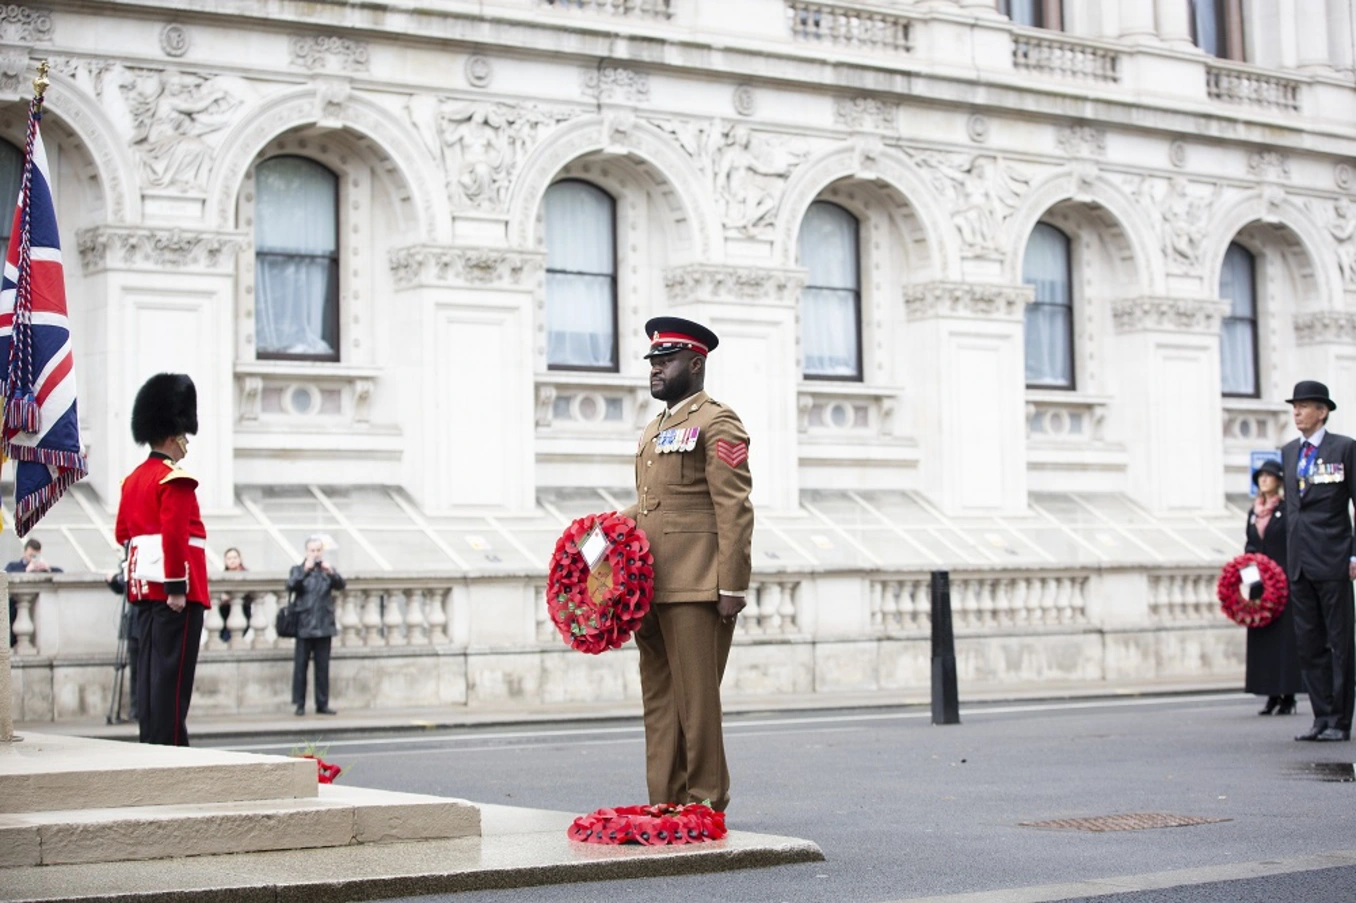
1272 703
1333 735
1287 706
1312 733
326 712
301 710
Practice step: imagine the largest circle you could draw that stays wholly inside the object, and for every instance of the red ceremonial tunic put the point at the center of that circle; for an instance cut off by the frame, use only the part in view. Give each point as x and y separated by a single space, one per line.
159 505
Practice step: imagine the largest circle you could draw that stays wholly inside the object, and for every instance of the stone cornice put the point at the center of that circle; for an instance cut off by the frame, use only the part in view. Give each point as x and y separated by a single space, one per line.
153 248
1337 326
704 282
1167 315
439 265
967 300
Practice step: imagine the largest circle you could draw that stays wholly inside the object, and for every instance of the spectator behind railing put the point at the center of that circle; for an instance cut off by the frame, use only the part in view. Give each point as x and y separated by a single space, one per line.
234 562
30 563
313 583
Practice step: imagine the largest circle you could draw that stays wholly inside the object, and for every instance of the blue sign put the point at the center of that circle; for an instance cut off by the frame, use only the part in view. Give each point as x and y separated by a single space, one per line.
1257 458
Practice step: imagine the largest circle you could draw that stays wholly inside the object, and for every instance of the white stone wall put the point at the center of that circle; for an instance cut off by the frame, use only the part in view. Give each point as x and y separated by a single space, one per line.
949 132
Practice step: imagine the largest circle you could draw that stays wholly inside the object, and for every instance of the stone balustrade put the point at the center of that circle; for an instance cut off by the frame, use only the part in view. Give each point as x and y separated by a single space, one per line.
1252 424
1184 597
982 601
24 628
1065 57
851 26
1065 418
847 412
1248 87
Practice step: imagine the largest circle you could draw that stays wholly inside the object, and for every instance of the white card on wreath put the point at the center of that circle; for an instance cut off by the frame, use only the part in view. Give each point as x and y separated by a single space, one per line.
1250 575
593 547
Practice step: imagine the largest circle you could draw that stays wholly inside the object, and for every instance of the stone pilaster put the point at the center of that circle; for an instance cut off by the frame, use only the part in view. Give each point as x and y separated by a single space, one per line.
1168 352
964 344
6 693
1326 341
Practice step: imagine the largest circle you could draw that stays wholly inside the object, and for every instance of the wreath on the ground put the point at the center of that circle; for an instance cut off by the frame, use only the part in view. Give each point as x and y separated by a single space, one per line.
650 825
1235 602
598 608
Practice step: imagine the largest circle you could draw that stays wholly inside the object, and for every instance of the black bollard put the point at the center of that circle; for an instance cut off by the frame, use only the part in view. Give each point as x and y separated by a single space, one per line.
945 697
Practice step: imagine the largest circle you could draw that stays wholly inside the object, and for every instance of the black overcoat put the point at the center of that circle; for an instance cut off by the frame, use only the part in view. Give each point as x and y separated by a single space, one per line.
1273 663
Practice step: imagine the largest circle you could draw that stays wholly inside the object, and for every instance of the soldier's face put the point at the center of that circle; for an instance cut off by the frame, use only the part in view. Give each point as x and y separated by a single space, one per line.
671 376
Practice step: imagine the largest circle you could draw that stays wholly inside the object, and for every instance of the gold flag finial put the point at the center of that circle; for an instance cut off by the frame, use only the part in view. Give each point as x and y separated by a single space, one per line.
41 82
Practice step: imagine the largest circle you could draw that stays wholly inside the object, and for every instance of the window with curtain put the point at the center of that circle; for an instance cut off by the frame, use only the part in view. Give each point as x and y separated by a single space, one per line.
296 260
831 303
11 180
1217 27
1049 318
1024 12
581 277
1238 334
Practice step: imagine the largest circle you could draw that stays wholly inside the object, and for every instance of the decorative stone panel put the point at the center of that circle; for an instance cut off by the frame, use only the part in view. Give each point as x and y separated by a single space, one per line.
1335 326
701 282
427 264
960 299
140 247
327 52
24 24
1167 314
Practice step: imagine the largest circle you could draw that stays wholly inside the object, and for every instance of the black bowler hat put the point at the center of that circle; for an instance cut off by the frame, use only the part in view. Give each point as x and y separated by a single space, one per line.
672 334
1271 466
1311 390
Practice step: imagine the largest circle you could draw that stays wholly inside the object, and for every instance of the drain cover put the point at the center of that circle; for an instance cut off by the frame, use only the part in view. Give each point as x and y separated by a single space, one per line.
1135 821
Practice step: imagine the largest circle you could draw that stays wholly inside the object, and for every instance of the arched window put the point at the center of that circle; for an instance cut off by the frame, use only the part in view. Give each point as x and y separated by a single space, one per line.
296 239
1238 334
831 304
1049 318
581 277
11 180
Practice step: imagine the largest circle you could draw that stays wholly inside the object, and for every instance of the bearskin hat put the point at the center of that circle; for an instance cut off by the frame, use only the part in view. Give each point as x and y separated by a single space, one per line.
166 406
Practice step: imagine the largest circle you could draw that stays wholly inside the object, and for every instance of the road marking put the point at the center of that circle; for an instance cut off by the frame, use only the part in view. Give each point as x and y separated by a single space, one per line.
1211 874
742 727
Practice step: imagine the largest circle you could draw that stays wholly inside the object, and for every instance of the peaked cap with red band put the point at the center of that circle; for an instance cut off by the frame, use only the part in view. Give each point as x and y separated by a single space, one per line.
672 334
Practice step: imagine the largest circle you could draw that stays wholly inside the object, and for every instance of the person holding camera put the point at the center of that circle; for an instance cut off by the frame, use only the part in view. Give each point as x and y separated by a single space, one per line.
312 584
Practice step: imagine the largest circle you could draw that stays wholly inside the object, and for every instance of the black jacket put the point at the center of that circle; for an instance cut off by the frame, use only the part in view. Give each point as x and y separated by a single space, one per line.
1273 543
1319 526
314 599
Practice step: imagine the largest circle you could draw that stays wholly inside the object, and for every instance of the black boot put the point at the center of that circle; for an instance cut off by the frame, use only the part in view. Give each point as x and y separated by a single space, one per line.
1287 706
1272 703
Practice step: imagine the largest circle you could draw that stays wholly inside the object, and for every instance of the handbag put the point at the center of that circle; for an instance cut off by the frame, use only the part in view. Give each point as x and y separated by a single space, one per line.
286 621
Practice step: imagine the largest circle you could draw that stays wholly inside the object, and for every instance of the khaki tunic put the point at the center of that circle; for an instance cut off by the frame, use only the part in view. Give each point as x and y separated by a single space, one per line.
694 506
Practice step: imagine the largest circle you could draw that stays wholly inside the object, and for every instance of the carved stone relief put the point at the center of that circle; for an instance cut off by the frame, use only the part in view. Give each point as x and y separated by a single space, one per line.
865 113
329 52
1177 154
480 145
24 24
13 67
747 169
479 71
174 41
982 192
134 247
1081 141
331 94
1341 225
1181 213
464 266
613 83
1169 314
700 282
745 101
977 128
1337 326
965 299
1269 165
1343 176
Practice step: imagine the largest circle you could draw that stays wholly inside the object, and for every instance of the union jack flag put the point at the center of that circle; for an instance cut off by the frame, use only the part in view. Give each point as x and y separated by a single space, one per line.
41 427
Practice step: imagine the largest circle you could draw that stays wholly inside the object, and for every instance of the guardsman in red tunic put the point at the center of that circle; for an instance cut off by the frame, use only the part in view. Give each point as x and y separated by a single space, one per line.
158 520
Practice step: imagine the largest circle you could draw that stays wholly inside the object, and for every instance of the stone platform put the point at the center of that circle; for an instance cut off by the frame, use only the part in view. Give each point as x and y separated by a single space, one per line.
517 848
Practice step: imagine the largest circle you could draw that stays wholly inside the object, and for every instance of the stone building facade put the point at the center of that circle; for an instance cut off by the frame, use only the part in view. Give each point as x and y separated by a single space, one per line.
971 252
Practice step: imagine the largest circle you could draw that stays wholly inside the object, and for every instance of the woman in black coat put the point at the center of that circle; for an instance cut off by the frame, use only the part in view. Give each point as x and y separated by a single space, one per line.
1273 664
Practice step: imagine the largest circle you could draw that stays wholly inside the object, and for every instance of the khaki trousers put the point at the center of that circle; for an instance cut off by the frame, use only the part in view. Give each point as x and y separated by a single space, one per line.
683 650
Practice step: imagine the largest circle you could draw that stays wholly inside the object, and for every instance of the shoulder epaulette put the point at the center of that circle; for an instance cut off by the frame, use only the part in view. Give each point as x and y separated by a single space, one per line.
176 473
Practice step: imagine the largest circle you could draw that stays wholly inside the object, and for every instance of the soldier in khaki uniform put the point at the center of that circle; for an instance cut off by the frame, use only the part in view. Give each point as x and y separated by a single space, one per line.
693 482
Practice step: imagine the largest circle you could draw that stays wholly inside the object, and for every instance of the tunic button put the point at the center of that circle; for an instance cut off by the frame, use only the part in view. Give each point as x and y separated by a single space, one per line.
649 464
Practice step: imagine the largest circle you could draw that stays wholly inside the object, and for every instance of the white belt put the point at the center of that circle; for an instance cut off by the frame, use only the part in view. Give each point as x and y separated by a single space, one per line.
147 559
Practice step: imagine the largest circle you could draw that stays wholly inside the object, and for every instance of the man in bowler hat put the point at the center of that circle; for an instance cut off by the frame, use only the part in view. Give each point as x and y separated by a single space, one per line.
159 522
1320 486
693 484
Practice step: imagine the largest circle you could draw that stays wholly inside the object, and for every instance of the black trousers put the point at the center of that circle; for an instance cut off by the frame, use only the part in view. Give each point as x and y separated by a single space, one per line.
167 659
319 648
1324 638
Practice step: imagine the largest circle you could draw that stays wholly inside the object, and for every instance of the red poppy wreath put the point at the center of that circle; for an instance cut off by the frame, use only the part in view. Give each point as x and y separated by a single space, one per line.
1235 602
600 583
650 825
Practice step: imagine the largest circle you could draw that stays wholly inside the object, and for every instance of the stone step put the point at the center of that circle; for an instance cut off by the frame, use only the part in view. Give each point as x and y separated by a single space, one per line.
47 772
338 816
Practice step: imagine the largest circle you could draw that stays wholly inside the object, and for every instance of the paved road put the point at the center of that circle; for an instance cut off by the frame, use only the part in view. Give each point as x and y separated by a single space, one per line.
906 810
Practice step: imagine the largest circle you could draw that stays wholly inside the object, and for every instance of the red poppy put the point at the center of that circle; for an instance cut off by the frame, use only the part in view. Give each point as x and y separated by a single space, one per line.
659 825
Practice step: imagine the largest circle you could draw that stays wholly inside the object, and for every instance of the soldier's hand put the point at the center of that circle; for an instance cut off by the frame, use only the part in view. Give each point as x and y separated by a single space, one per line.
176 603
729 606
